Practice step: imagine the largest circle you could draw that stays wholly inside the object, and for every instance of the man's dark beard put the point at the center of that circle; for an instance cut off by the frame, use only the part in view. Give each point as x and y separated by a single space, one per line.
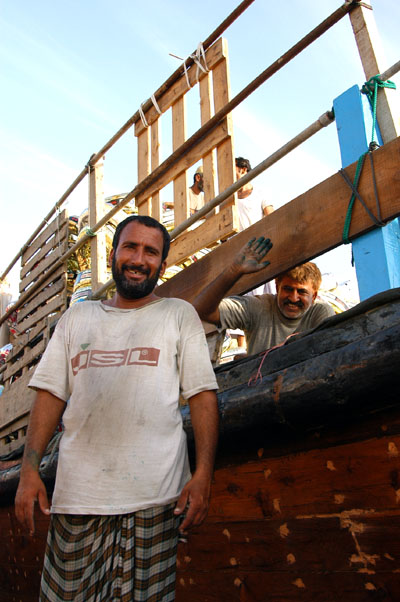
133 290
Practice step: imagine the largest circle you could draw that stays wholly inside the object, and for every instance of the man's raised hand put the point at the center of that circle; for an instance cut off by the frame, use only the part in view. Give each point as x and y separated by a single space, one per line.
251 257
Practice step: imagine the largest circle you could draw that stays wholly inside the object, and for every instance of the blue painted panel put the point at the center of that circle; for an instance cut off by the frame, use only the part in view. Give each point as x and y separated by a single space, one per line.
376 254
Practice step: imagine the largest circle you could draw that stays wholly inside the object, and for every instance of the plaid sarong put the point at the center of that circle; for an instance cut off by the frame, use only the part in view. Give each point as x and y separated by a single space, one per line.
124 558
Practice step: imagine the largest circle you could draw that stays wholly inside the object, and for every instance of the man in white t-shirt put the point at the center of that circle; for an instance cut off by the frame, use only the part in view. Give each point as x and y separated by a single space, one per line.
250 207
114 371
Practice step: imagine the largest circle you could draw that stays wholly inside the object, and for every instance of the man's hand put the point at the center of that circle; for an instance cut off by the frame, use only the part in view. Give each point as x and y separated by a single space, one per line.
195 497
250 257
31 489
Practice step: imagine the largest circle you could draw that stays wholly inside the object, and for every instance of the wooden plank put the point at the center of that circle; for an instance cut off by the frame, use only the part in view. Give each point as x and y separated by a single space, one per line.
59 274
306 227
208 159
55 241
215 228
204 146
373 60
48 293
43 266
58 302
225 156
17 400
29 356
51 229
14 435
181 204
156 210
257 584
25 338
143 158
97 209
214 55
330 481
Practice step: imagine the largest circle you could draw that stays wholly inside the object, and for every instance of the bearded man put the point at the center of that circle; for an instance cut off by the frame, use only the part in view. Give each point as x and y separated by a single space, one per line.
114 371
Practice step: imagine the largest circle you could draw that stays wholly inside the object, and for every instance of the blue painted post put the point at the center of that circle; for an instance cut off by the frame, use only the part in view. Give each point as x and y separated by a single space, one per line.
376 254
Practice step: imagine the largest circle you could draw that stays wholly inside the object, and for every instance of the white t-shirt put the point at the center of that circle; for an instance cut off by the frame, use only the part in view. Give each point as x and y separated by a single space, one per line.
196 201
124 448
250 210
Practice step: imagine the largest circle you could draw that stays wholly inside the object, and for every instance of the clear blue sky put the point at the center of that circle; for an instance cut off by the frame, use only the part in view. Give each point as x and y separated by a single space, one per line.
73 72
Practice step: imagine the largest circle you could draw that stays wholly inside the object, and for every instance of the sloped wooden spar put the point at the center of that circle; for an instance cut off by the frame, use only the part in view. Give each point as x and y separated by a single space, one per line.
306 227
204 129
131 121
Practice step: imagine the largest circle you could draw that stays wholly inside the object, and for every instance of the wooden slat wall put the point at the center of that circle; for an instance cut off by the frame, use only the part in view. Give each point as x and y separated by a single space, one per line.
43 307
218 141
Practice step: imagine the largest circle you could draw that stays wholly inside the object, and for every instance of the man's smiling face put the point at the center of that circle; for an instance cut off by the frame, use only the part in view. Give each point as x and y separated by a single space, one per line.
294 298
137 262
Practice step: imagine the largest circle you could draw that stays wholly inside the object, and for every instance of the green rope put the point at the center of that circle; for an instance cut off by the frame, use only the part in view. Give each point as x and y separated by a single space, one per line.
347 220
370 89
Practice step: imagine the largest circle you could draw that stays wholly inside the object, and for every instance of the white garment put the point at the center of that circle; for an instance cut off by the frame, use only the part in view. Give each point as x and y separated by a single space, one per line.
124 448
250 210
196 201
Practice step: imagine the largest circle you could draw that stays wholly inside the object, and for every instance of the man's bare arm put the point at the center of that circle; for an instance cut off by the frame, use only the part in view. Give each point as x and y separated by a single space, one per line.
249 259
44 418
196 493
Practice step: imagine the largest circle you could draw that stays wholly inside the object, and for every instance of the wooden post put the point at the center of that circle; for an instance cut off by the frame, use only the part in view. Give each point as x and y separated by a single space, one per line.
373 62
181 205
208 160
225 157
98 251
376 253
144 166
156 211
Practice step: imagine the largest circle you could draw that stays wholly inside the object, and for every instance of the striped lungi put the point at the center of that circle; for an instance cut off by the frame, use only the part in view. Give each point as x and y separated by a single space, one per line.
124 558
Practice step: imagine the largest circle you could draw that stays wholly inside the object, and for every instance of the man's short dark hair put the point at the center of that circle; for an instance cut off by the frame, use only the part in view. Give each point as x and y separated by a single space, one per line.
242 162
144 220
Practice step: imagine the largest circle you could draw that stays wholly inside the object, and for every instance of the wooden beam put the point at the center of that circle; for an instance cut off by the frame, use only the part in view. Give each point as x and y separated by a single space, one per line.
223 224
181 205
306 227
97 209
156 210
225 158
208 159
143 154
373 61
